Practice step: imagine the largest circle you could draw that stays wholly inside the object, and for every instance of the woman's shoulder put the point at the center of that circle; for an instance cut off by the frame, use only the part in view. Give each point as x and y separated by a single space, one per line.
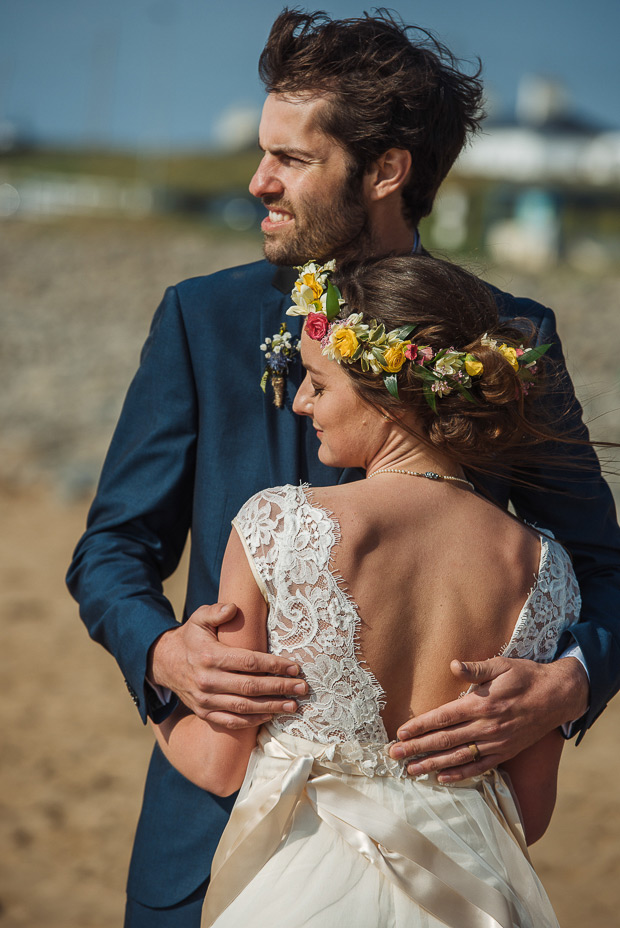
267 510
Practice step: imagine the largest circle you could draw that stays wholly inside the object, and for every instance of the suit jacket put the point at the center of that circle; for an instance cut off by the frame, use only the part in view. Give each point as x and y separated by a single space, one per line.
195 439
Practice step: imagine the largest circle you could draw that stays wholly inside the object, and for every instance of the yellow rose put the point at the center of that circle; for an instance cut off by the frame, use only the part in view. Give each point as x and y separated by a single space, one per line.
310 281
394 358
511 356
345 341
473 366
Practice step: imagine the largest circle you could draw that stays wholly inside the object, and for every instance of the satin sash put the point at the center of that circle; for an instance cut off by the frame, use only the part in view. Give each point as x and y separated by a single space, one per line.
306 771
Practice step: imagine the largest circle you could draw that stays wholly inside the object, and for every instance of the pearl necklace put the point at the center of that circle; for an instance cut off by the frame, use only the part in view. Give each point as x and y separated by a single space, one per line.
429 474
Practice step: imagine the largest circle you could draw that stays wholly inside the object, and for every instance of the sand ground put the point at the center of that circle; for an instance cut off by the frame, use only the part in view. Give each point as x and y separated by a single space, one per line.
73 751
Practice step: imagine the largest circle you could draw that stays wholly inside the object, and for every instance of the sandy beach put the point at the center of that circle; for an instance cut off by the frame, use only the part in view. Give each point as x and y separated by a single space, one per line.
76 306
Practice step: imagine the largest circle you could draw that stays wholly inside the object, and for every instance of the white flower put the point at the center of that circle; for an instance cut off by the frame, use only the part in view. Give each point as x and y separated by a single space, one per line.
450 364
441 388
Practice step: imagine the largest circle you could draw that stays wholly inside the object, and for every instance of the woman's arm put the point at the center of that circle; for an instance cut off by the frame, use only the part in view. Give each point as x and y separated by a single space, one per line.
209 755
534 776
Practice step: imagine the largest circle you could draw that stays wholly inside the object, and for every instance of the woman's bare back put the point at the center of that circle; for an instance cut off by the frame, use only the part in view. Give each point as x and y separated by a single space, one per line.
437 573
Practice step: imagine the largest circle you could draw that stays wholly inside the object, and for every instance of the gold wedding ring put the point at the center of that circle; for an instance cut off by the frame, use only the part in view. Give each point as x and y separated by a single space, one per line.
475 753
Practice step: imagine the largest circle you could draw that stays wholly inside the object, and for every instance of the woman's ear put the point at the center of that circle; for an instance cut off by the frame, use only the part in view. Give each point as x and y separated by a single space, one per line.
388 174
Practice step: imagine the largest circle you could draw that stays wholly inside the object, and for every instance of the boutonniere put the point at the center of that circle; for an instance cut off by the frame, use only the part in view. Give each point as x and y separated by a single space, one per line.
280 350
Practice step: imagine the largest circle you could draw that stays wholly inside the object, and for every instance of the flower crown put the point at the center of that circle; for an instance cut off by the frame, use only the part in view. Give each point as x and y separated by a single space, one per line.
352 340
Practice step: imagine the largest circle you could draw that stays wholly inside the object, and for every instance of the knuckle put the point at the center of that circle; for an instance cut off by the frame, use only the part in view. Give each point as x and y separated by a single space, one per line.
444 741
250 687
204 703
203 684
239 707
232 724
249 663
443 720
207 659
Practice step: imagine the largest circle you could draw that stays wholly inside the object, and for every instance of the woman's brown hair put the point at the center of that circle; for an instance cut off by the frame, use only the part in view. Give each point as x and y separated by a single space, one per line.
505 425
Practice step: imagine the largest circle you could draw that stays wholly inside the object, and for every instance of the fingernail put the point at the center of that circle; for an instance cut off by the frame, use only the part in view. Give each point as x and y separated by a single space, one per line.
444 778
300 688
293 670
415 770
402 735
289 706
397 752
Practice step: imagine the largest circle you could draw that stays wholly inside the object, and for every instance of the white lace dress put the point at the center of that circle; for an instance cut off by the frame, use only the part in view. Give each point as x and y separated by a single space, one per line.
328 831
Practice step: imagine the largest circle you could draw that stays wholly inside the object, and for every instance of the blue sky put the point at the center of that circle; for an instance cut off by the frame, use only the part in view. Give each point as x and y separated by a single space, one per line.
159 73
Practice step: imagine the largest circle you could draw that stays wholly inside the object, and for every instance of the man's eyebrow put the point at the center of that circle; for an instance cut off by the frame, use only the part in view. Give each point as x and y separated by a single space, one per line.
288 150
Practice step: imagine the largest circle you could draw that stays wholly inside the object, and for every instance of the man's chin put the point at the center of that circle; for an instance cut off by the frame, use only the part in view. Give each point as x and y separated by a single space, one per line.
284 254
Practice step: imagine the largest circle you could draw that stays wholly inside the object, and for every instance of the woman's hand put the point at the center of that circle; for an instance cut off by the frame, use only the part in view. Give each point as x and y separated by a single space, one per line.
515 703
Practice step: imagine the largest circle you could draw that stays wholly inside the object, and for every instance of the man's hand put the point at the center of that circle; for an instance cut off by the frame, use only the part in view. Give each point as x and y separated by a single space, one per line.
515 703
220 683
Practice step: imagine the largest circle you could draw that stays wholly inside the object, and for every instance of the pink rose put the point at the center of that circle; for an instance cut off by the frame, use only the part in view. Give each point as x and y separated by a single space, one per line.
424 354
316 326
411 352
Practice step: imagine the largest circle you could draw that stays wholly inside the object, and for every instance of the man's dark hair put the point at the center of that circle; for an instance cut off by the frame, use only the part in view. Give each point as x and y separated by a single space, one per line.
384 88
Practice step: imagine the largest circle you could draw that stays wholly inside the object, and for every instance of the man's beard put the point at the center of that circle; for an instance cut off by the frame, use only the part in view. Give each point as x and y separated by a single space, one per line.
339 230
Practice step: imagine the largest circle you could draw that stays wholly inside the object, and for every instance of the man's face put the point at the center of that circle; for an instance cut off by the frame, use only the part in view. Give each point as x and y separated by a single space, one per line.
315 209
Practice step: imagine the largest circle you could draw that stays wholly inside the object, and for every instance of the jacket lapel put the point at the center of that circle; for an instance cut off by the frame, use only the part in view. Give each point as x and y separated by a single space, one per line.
292 445
281 425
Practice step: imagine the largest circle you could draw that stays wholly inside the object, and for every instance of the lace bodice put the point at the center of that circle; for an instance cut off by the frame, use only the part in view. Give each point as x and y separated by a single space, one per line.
289 541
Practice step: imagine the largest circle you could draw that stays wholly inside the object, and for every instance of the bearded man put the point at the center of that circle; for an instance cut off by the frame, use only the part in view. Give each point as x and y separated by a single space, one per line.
363 120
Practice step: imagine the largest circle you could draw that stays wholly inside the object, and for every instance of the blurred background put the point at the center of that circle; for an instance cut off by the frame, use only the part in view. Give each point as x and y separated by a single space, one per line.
127 138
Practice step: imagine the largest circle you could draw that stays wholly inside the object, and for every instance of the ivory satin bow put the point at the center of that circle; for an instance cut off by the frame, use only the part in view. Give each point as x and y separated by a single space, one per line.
306 771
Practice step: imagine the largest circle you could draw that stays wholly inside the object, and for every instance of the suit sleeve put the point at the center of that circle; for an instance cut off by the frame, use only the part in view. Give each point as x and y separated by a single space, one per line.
138 523
572 498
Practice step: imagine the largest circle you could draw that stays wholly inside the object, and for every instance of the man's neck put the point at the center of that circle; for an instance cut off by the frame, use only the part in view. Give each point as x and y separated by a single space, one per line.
392 235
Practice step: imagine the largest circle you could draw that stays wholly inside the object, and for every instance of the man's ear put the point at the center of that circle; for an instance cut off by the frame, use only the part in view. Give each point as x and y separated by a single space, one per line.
388 174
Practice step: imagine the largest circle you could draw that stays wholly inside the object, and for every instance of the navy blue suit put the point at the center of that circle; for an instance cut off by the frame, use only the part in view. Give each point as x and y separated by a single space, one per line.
195 439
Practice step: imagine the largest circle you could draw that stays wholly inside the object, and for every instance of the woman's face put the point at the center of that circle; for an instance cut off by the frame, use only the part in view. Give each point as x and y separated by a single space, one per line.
351 433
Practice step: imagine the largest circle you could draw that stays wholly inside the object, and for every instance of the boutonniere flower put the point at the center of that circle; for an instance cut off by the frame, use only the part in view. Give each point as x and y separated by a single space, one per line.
280 350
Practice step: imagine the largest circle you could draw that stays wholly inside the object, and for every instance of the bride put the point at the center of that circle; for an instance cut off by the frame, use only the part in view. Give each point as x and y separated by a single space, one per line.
369 586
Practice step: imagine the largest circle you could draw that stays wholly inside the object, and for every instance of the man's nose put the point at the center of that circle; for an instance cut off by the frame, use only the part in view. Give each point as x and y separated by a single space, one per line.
265 180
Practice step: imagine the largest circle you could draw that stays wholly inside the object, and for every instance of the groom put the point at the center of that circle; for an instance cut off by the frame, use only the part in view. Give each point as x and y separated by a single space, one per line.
361 124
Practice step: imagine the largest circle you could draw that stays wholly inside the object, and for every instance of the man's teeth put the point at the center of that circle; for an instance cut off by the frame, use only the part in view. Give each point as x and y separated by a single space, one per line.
278 217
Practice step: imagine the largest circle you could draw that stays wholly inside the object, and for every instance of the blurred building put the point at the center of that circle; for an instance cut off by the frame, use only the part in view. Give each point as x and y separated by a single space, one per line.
537 188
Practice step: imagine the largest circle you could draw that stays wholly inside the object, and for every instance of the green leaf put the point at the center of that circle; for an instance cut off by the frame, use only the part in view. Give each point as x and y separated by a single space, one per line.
423 373
378 355
391 382
365 364
403 332
377 335
533 354
430 396
332 305
357 353
263 381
